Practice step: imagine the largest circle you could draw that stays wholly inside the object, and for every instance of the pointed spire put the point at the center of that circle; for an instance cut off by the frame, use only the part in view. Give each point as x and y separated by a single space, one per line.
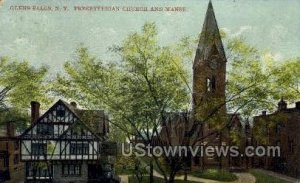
210 4
210 37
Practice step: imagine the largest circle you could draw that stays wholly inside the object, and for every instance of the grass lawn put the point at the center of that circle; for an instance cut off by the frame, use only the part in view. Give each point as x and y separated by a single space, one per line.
156 180
124 171
263 178
215 174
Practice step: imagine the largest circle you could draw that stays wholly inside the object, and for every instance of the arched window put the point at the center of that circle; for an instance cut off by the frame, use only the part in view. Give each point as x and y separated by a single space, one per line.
208 84
211 84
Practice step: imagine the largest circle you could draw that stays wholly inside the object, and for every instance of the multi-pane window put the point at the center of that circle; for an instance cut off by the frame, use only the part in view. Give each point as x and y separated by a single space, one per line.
16 159
38 148
60 113
71 169
38 170
5 162
79 148
45 129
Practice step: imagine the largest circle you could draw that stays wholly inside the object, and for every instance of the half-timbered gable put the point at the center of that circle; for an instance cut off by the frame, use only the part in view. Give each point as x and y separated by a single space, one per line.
53 123
59 134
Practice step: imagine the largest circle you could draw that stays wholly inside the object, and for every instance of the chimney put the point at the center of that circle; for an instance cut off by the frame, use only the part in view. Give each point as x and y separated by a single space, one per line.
73 104
282 105
264 113
35 111
298 105
11 130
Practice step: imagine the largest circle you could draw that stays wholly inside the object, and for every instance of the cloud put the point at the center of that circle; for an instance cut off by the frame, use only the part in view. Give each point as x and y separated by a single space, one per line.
278 33
278 56
241 30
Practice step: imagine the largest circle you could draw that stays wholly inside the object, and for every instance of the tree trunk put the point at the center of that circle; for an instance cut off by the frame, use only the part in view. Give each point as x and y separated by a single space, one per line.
220 146
151 172
185 175
171 178
185 171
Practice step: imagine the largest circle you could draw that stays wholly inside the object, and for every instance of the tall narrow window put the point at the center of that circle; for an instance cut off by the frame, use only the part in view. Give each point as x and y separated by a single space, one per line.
213 83
208 85
291 146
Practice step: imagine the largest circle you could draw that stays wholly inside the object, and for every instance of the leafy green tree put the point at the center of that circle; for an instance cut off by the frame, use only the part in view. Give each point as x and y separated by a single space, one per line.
16 117
20 83
256 82
137 91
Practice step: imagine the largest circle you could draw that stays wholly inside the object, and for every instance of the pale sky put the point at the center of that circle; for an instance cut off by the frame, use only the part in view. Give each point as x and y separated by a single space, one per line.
50 38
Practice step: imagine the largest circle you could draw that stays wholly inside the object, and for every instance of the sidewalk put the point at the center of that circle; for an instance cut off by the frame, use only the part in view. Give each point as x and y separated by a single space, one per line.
242 178
279 176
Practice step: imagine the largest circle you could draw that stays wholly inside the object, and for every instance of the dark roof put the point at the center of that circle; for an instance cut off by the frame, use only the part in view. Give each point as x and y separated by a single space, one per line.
95 115
210 37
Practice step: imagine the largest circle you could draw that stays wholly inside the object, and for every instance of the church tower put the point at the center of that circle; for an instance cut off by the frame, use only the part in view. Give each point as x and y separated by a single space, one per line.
209 70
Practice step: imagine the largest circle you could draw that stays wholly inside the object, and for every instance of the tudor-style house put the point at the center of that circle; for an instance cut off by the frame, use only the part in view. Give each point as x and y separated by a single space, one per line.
60 146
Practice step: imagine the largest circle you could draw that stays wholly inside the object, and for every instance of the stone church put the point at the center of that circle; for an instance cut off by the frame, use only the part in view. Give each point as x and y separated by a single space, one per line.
209 123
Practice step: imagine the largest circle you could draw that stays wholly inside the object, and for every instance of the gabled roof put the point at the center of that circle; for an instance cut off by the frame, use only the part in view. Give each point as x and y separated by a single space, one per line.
45 114
210 38
78 113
